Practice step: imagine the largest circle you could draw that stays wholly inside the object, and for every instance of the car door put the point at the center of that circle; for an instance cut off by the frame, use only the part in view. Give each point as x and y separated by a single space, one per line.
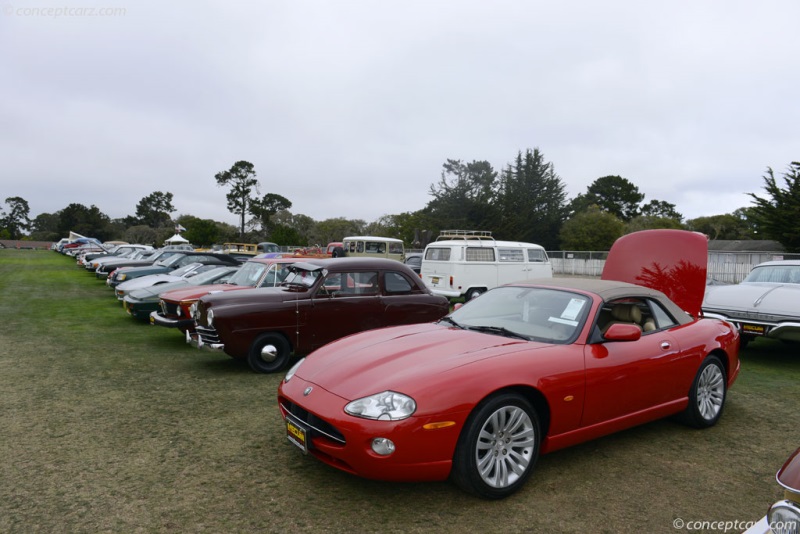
403 302
625 377
344 303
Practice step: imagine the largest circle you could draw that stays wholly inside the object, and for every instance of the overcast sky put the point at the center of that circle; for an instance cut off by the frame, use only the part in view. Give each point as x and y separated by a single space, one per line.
350 108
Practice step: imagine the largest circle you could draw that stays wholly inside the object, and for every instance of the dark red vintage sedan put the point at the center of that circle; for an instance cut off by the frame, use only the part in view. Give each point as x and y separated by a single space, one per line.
522 370
319 301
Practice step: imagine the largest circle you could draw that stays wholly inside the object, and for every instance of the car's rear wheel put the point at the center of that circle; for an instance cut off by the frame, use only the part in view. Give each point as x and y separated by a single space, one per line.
498 447
269 353
707 396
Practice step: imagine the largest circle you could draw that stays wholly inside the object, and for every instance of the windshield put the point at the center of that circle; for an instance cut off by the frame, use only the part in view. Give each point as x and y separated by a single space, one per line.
249 274
301 278
218 275
777 274
171 260
537 314
185 269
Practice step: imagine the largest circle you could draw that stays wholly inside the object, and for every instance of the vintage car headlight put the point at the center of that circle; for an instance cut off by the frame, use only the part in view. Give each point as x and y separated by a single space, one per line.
293 370
386 406
784 517
121 277
210 318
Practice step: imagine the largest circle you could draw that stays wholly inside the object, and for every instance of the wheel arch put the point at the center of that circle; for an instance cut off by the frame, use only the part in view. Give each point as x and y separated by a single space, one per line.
532 395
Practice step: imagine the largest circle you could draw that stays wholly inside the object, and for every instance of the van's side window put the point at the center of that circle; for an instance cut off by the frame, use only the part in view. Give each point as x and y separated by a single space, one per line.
437 254
480 254
537 255
511 255
395 248
360 246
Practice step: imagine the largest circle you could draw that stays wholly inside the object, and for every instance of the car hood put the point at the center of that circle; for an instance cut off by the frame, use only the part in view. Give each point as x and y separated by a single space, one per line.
781 299
396 358
156 290
195 292
671 261
147 281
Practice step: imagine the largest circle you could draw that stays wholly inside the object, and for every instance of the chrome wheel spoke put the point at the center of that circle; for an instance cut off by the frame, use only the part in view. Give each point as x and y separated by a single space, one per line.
504 448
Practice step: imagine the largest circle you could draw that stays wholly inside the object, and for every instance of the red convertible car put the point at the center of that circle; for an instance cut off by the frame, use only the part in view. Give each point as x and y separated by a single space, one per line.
522 370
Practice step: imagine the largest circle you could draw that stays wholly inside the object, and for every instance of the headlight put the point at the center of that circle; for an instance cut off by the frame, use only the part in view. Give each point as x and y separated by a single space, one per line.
293 370
210 318
122 277
386 406
784 517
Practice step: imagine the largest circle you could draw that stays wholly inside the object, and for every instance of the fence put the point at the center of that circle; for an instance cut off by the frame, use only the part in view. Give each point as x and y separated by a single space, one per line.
723 267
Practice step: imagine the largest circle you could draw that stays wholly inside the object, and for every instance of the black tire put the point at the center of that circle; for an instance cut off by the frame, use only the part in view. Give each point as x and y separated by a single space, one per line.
269 353
498 447
473 294
338 252
707 396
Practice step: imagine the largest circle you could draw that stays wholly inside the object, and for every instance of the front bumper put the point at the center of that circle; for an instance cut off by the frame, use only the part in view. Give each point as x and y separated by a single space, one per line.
784 330
344 442
156 318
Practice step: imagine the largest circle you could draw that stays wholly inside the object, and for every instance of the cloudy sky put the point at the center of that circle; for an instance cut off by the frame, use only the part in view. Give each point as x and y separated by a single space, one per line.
349 108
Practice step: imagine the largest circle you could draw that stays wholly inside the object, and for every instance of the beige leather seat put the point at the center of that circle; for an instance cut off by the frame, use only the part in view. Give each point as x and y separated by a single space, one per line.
626 314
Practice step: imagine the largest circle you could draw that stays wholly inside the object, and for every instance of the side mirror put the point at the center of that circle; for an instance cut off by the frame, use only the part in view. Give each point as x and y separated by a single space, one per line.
623 332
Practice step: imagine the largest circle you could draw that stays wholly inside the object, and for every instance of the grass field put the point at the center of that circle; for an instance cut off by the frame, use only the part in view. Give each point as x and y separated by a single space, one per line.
109 425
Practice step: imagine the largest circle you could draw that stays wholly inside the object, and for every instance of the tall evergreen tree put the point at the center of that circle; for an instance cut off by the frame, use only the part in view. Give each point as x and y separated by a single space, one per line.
154 210
778 217
17 220
532 201
464 197
241 178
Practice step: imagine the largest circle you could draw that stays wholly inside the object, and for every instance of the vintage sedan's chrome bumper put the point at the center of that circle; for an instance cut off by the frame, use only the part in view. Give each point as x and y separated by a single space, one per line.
787 330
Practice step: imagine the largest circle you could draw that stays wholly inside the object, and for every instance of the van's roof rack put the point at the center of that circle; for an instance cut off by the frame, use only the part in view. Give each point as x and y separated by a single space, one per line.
464 234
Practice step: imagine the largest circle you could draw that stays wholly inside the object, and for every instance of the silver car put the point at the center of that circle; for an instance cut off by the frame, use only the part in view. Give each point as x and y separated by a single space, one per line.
765 304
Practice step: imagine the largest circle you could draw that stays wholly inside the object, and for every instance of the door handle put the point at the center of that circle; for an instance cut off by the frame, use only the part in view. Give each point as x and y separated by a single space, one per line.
665 345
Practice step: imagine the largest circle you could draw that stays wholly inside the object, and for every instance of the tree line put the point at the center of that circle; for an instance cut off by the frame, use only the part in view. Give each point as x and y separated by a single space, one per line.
524 201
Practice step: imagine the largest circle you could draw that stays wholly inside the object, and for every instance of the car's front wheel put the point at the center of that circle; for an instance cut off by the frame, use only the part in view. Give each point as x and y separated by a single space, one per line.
269 353
707 396
498 447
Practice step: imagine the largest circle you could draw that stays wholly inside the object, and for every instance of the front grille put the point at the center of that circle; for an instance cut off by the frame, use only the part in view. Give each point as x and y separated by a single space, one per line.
746 315
208 335
316 426
170 309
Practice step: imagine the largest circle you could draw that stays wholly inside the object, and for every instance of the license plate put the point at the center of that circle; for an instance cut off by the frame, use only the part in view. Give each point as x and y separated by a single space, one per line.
754 329
296 432
435 280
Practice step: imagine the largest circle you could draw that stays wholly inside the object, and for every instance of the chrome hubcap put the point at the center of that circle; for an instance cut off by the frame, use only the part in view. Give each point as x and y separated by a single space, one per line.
505 446
269 353
710 392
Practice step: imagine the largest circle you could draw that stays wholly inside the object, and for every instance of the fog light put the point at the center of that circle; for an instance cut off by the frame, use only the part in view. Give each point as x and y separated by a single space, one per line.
383 446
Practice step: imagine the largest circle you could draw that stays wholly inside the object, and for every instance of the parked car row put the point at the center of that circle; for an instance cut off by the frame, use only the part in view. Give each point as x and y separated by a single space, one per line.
387 383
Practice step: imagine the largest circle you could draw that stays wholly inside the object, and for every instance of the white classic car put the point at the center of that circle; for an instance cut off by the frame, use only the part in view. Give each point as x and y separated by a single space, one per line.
765 304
